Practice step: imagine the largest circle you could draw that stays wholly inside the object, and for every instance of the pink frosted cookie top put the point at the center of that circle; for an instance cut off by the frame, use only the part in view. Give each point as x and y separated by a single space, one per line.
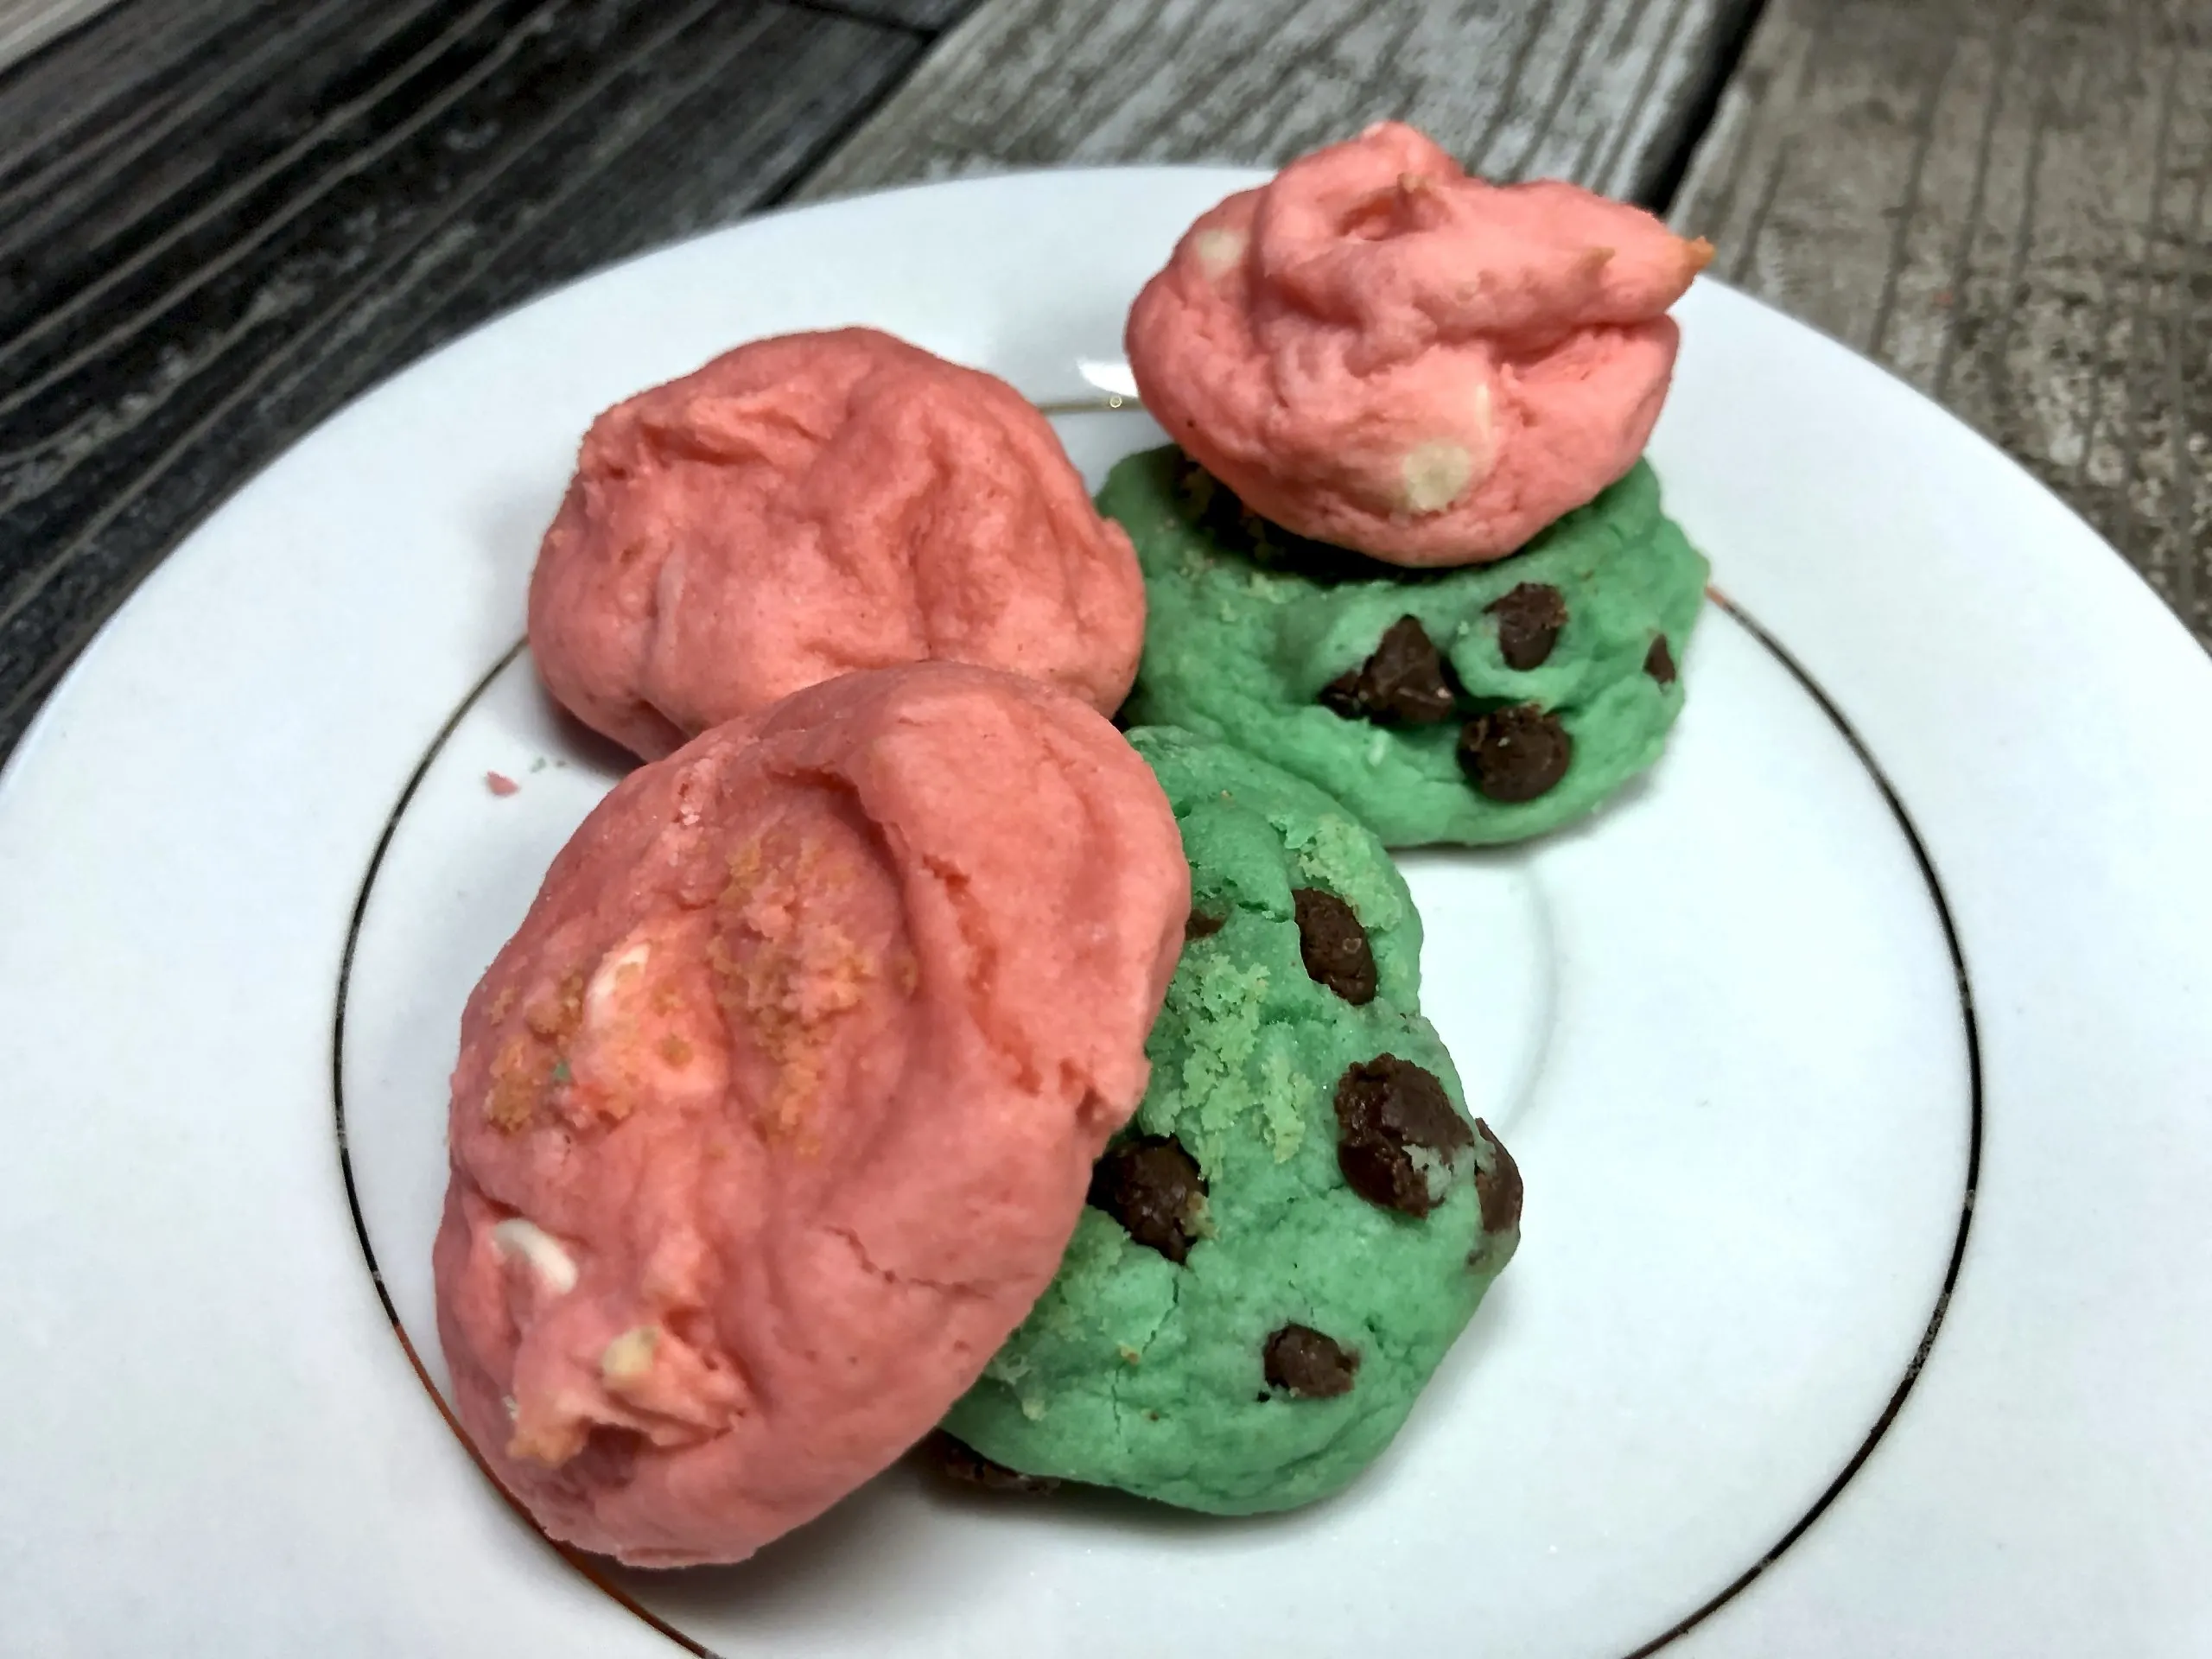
776 1115
814 504
1375 350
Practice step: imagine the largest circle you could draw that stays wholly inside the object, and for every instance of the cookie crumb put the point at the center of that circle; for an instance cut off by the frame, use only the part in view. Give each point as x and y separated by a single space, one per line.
500 784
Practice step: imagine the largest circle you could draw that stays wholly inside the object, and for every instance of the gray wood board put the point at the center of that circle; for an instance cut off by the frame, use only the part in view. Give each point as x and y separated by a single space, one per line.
220 221
930 15
78 88
26 25
2003 202
1607 91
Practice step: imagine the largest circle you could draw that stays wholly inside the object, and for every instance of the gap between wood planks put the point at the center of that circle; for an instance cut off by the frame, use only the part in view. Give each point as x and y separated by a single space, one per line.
1613 93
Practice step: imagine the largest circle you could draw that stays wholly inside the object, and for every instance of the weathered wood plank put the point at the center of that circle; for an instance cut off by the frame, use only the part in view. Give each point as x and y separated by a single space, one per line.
2004 202
1603 90
26 25
275 244
68 96
928 16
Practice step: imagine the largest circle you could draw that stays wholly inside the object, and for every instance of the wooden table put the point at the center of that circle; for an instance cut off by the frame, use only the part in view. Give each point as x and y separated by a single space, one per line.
220 220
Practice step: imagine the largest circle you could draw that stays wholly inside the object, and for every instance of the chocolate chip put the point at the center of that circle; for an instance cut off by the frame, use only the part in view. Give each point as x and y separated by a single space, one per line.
1403 683
1387 1109
1340 696
1529 621
1153 1187
1498 1187
1659 662
1203 923
1334 945
1515 754
956 1461
1301 1361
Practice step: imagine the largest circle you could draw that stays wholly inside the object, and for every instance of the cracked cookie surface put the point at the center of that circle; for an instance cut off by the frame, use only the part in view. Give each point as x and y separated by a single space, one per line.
1301 1218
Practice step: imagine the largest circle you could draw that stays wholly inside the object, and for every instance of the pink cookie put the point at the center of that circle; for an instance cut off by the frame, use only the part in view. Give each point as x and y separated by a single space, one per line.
776 1115
810 505
1376 350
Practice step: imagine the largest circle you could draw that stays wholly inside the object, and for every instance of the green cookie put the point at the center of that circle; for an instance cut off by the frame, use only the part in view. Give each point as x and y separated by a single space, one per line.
1487 703
1300 1221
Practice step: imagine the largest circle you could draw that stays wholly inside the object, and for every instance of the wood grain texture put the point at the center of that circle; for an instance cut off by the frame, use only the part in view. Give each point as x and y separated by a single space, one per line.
79 86
928 16
220 221
2004 202
26 25
1603 90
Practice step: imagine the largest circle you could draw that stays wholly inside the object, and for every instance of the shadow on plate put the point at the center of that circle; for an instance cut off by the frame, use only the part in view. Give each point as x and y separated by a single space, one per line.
905 1546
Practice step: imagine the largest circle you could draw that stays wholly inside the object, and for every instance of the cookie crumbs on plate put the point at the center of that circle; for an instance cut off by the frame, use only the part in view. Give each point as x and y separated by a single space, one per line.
500 784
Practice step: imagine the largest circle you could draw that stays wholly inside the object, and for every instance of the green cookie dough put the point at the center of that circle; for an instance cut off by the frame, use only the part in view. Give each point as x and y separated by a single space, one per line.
1269 1338
1248 625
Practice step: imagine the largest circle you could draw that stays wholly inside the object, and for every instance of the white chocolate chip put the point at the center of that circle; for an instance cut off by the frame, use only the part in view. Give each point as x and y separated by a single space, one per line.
629 1358
613 972
1217 250
1434 474
555 1266
513 1410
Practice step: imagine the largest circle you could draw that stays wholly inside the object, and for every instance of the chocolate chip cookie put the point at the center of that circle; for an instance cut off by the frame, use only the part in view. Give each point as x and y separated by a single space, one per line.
1279 1250
1485 703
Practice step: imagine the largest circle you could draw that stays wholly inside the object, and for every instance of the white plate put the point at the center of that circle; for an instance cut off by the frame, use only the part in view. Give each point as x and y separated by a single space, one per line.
1856 1061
